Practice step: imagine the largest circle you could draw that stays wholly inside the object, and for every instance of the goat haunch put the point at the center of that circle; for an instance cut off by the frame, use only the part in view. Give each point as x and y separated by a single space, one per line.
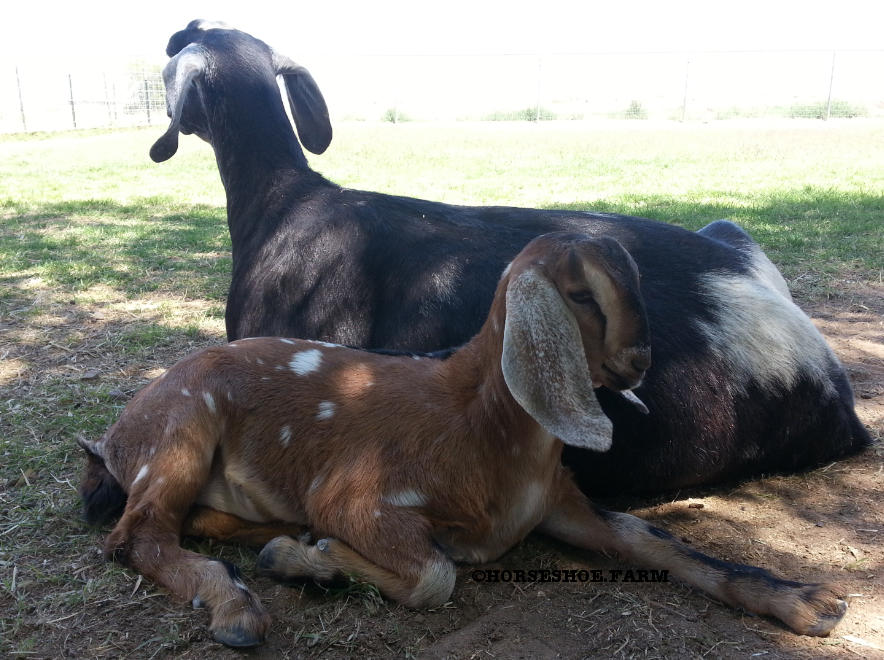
313 260
401 466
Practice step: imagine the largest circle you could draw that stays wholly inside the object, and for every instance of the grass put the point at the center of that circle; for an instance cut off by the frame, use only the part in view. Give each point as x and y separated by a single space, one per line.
113 267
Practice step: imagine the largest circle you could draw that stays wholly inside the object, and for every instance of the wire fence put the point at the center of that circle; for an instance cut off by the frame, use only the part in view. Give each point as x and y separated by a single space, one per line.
671 86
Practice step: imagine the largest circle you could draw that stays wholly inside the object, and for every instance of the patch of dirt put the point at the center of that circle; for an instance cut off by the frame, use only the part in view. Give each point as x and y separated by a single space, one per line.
826 525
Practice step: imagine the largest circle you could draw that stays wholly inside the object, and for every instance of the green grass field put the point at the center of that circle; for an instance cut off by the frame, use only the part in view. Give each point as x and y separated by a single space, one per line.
113 267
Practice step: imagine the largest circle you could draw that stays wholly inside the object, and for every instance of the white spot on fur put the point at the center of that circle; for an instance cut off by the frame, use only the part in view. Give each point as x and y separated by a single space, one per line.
265 377
185 391
210 401
142 473
232 345
326 410
287 341
764 336
230 397
323 343
377 513
316 483
285 435
259 361
406 498
306 362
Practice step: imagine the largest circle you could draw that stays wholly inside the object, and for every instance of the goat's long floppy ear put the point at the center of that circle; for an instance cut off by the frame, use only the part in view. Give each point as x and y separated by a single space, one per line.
308 106
544 364
177 76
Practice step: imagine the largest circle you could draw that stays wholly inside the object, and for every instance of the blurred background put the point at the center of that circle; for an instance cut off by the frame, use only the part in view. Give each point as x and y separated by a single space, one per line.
93 64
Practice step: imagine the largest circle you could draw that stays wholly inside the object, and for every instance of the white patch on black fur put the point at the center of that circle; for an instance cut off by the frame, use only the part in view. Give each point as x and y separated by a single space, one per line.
764 269
764 336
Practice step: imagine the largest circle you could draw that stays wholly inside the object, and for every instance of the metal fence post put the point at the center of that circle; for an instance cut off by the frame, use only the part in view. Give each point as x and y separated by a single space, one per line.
21 104
831 81
73 107
107 103
146 95
684 98
539 87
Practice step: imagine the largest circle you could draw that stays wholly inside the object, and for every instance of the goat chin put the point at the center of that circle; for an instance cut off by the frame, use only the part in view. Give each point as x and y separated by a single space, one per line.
312 259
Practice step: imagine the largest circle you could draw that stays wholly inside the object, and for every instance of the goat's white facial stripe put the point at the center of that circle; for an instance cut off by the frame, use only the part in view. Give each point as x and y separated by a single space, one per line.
306 362
406 498
326 410
210 401
142 473
285 435
185 391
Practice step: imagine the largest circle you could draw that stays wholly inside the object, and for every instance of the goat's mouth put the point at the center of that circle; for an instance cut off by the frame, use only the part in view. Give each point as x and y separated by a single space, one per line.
619 381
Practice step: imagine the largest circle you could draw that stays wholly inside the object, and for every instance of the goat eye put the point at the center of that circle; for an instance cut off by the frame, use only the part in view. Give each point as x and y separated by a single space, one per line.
581 297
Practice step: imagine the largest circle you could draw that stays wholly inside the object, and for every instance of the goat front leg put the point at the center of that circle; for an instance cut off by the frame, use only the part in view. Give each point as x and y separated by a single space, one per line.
808 609
425 578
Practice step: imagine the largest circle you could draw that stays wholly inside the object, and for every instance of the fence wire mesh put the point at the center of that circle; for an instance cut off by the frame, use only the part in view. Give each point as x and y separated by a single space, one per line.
668 86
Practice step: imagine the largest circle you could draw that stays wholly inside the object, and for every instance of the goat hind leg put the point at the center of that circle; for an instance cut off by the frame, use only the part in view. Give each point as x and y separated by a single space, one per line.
808 609
424 579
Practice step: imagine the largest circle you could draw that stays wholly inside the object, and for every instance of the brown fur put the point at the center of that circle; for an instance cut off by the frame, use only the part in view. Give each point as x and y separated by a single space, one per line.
399 466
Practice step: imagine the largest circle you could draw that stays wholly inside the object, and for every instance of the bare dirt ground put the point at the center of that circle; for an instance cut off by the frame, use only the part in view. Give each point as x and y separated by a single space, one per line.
826 525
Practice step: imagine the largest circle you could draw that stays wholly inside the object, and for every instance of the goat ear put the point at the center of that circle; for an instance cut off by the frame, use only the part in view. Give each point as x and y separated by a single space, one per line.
544 364
177 76
308 106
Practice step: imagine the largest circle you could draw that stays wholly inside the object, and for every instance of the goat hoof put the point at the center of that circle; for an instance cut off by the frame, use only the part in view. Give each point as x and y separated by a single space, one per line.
818 612
237 637
240 624
271 558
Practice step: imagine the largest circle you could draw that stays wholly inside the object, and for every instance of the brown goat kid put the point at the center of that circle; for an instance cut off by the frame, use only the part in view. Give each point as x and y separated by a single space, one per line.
402 466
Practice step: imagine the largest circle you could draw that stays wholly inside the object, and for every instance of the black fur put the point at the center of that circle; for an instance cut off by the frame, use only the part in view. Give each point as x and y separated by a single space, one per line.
103 498
316 261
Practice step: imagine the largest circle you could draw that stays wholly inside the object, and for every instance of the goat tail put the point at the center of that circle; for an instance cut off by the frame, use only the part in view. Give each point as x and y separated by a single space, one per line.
103 497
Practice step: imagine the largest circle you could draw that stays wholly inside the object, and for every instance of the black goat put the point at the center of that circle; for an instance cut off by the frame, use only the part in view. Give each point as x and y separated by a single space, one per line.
741 380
